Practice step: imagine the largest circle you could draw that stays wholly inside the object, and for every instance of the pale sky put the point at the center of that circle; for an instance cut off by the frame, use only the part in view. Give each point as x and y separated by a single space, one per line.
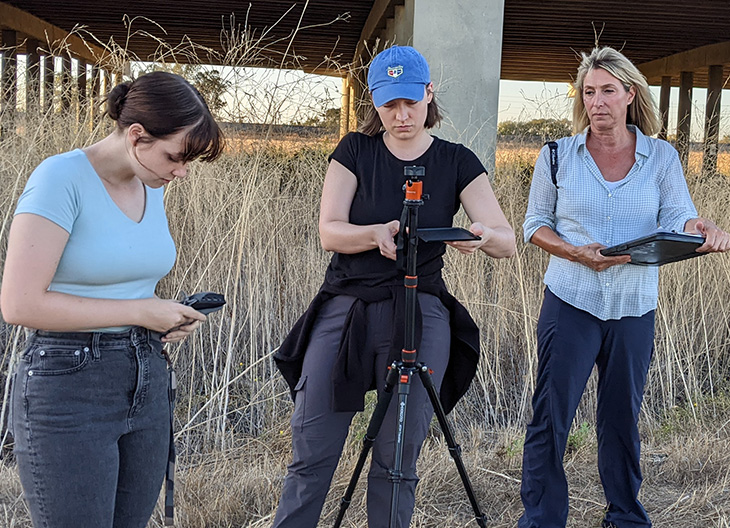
263 95
521 101
532 100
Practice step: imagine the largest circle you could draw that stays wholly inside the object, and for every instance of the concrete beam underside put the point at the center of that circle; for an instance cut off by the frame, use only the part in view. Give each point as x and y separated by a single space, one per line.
692 60
52 37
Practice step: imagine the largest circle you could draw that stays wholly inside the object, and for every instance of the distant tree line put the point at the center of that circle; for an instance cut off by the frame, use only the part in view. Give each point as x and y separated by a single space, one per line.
329 119
546 129
542 129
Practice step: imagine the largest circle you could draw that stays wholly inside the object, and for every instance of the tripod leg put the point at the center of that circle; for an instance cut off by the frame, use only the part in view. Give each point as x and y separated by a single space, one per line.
376 421
396 474
454 448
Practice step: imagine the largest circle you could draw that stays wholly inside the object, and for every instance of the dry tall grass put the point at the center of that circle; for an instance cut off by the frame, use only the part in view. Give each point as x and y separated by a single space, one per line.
247 226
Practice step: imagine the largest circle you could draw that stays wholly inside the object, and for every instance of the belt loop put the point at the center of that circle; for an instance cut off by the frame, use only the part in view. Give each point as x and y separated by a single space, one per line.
134 335
140 335
95 349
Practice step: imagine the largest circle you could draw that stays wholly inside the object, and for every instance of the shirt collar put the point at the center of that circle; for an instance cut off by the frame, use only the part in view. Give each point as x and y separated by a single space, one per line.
643 146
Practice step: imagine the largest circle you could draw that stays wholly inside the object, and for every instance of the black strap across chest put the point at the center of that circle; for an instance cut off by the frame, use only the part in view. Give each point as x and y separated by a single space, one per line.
553 146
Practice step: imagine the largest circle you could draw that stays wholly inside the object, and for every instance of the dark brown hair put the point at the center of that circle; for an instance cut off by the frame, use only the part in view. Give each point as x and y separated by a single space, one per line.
165 103
372 124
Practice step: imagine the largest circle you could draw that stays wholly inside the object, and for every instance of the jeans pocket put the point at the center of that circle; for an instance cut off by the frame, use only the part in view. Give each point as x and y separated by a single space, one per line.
56 360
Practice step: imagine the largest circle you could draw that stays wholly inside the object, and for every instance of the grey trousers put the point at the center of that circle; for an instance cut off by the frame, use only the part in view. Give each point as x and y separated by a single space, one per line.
319 434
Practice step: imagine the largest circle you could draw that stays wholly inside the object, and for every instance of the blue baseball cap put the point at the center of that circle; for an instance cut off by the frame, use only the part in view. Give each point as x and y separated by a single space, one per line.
399 72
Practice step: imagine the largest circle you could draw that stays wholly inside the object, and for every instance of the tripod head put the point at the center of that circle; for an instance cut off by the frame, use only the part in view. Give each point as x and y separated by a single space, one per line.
407 234
414 186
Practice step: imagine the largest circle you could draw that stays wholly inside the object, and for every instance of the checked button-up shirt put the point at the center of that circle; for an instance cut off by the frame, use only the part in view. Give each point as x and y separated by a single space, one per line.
585 208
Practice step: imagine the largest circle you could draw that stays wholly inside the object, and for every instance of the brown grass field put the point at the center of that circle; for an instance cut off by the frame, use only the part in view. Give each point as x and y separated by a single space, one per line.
247 226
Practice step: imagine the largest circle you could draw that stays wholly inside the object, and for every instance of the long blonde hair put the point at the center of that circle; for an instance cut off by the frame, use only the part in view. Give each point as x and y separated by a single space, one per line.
642 112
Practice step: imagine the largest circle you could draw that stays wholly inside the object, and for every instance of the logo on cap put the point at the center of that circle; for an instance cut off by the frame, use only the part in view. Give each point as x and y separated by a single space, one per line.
395 71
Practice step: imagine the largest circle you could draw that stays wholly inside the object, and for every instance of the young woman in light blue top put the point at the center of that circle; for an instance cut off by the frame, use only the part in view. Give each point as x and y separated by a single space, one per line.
614 184
88 244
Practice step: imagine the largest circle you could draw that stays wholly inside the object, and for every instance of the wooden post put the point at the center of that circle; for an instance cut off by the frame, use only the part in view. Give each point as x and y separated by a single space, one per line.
345 107
82 99
712 119
353 103
106 83
8 83
49 72
65 83
358 103
94 95
81 82
32 77
684 116
664 105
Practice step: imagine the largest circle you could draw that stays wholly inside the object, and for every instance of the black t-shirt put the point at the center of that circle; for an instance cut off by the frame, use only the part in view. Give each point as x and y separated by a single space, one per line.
370 277
450 167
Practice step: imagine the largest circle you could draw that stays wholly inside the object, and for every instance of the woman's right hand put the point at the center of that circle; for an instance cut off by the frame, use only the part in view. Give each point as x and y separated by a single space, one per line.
590 255
163 315
384 234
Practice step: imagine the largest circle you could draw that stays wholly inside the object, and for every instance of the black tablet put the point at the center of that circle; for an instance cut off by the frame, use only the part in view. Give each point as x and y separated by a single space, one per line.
445 234
658 248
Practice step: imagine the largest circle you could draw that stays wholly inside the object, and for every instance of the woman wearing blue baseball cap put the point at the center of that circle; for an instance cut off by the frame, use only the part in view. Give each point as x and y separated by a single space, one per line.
341 347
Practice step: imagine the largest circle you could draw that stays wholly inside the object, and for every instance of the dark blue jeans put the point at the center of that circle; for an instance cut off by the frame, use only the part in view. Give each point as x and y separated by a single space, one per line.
91 421
570 341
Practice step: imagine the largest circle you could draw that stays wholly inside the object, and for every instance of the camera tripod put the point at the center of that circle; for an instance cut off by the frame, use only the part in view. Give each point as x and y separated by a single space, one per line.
401 372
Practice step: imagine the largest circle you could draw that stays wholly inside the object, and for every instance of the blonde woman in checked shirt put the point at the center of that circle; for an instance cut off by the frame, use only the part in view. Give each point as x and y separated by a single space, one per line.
614 183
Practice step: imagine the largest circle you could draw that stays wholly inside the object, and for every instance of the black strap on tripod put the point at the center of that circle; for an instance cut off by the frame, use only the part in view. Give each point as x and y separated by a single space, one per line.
401 247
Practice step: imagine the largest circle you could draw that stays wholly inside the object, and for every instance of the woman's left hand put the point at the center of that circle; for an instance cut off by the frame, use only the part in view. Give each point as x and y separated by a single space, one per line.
467 247
181 332
716 240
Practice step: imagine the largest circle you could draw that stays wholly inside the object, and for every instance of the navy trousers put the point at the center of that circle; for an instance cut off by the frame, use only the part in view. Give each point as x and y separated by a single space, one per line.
570 342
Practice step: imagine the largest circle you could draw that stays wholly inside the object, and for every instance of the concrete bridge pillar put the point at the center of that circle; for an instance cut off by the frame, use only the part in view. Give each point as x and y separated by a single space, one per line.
464 51
462 42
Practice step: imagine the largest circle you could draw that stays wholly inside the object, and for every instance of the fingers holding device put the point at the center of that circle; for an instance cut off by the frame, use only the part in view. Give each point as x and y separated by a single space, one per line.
203 302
